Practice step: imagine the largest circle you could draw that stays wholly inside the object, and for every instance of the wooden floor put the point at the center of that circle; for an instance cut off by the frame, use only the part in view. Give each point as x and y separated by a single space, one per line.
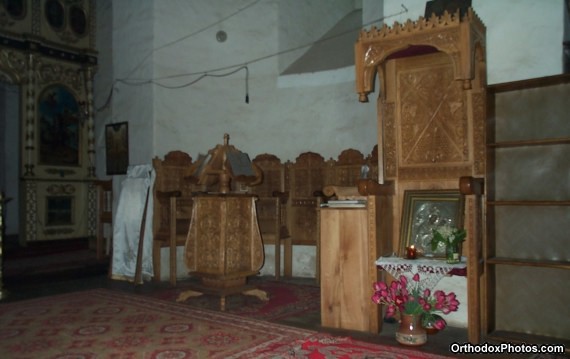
90 278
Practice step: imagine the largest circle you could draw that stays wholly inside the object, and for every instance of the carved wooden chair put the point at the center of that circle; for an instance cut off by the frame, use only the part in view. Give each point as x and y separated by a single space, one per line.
172 209
306 179
372 161
271 207
343 175
104 237
348 168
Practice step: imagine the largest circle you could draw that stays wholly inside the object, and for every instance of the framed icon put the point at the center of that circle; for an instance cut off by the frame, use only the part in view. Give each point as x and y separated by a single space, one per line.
117 148
425 210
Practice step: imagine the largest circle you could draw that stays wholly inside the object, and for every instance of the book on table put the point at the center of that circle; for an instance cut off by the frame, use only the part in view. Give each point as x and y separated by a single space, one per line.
345 203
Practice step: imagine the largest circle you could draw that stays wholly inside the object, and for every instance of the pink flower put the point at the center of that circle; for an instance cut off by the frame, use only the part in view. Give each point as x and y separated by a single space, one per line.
376 298
440 324
390 311
408 297
380 286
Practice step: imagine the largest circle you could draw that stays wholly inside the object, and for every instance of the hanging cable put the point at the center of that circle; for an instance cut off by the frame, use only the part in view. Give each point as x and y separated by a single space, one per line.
246 84
265 57
190 35
237 67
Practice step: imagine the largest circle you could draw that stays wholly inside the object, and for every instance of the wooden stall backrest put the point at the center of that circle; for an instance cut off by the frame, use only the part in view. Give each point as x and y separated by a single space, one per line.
273 175
104 217
271 207
271 186
373 163
173 171
306 176
348 167
172 207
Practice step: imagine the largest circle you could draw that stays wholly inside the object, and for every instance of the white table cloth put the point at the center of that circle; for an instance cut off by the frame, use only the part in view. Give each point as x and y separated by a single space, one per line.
431 270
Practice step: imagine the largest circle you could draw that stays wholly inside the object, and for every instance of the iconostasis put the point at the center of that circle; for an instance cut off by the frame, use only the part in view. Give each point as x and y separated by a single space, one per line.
47 50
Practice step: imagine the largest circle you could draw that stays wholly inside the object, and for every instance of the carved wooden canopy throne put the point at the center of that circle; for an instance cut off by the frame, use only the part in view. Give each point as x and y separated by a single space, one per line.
431 103
431 112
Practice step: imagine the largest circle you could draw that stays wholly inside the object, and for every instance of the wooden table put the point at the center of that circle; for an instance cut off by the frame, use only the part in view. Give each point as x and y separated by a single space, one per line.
431 270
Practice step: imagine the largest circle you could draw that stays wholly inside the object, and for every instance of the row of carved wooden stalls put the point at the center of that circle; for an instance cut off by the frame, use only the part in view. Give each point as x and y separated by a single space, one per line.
288 199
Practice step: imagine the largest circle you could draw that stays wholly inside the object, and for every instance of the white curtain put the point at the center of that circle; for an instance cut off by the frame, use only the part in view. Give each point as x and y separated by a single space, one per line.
127 224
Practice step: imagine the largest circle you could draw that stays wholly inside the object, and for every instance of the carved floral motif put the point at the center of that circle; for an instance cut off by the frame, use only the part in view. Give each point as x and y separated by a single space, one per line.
223 244
389 130
48 73
61 189
13 63
419 27
433 122
479 133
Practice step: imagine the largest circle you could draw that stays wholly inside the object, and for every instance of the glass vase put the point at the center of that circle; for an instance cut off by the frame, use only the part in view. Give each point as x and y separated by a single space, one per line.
411 331
452 253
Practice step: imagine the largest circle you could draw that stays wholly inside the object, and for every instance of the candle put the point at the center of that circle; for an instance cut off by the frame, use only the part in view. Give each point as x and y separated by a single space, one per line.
411 252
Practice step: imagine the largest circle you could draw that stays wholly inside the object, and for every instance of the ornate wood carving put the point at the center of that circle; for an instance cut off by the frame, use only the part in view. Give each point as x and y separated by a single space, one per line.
273 175
49 72
348 167
31 205
306 176
479 133
431 103
430 124
431 131
224 245
13 63
35 56
455 36
389 129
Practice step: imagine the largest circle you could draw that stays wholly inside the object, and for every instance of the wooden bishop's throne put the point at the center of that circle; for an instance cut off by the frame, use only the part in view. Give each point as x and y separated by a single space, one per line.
224 245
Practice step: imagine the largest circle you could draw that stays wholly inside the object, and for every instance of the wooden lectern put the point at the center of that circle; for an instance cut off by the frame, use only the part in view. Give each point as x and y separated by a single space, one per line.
224 245
352 238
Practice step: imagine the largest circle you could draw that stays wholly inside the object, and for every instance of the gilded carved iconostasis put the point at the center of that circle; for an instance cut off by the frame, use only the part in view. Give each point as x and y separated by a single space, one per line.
47 52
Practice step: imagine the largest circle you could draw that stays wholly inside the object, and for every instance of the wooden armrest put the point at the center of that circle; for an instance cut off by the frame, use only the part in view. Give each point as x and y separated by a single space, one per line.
369 187
322 196
471 185
106 185
283 196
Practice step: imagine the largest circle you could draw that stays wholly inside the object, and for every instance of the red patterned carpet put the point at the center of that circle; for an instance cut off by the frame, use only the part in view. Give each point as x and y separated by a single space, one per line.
286 300
106 324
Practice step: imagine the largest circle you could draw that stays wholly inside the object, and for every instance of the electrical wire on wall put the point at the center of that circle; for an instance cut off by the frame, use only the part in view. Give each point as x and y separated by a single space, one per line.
199 31
229 69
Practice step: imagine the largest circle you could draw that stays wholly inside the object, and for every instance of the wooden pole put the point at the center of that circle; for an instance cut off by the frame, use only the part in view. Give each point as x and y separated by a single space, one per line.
138 269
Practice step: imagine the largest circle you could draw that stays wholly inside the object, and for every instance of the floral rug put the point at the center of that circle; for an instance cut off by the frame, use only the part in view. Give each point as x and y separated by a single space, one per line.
105 324
286 299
